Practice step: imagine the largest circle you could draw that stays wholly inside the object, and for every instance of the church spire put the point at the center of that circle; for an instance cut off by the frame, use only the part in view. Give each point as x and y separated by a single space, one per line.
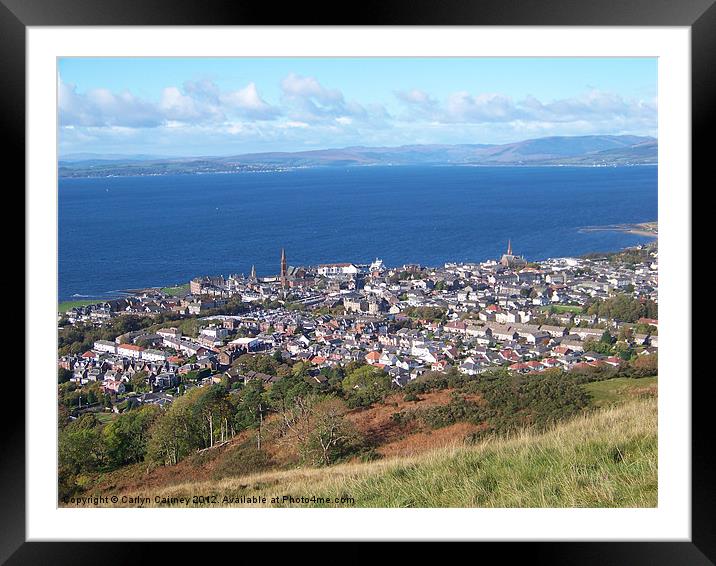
284 268
509 247
253 272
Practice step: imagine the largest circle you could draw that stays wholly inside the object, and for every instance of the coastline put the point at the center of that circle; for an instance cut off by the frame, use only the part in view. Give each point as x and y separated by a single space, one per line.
646 229
636 229
63 175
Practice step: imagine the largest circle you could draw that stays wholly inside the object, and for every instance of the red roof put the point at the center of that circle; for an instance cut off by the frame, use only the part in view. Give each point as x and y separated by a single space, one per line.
130 347
88 354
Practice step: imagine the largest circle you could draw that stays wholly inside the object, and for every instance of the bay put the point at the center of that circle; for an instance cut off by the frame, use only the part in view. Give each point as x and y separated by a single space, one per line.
131 232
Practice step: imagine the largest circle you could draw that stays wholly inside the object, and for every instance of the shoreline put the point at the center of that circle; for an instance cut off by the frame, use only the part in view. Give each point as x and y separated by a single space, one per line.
646 229
615 228
300 168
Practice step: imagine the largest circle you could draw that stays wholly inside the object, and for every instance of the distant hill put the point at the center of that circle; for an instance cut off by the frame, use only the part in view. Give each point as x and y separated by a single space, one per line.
107 157
575 150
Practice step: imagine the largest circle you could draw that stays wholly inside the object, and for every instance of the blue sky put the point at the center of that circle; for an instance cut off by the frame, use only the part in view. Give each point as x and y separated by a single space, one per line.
185 106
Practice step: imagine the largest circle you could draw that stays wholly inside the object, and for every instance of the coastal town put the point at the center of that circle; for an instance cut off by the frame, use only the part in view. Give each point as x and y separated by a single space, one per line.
356 282
567 313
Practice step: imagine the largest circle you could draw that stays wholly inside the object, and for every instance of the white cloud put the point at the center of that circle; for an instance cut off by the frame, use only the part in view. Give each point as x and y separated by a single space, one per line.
100 107
488 107
248 102
309 87
293 124
200 114
181 107
194 103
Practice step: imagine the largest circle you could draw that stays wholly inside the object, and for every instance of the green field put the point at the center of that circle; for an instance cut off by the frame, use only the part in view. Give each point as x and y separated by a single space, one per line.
177 290
620 389
64 306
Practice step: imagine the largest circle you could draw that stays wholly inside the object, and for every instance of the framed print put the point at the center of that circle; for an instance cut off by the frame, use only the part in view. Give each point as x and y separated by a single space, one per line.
423 275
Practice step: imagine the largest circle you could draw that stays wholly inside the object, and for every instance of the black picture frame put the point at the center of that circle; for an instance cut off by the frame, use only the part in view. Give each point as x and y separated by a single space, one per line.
698 15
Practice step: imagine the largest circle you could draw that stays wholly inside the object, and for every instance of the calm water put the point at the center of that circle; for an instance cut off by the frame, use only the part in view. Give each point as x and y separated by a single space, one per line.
130 232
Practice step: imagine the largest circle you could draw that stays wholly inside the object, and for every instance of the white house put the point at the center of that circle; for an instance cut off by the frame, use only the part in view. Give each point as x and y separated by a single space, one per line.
105 346
247 343
154 355
333 269
215 332
130 351
169 332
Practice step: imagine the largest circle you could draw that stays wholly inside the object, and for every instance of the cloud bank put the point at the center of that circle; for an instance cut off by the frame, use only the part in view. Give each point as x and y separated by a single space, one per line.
198 117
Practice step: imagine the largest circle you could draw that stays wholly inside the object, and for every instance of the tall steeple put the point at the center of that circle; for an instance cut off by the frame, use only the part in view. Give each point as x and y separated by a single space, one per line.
509 247
284 268
253 272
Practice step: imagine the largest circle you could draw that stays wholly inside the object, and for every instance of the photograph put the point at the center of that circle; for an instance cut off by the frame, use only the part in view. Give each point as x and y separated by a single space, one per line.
357 282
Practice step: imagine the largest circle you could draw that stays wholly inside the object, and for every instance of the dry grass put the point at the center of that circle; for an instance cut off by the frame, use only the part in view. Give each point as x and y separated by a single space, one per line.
605 459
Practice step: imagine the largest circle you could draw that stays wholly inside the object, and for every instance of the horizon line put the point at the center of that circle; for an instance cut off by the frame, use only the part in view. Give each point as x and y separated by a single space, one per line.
120 155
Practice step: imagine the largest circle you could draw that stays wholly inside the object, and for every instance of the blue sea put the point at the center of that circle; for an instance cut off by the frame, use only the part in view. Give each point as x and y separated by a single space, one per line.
130 232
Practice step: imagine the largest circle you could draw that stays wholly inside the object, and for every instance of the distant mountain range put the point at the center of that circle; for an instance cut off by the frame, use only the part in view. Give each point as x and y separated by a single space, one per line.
572 150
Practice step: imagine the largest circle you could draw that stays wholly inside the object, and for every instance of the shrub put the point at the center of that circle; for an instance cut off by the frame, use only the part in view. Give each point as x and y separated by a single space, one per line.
241 461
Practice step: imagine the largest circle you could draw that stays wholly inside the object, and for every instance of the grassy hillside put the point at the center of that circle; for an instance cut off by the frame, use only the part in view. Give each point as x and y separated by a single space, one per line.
613 391
604 459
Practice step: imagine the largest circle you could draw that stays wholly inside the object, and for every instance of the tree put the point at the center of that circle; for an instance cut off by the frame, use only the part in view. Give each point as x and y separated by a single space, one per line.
80 447
626 334
285 390
79 451
301 370
63 375
366 385
623 307
318 428
139 382
645 365
125 438
177 433
332 435
252 407
600 347
213 407
606 337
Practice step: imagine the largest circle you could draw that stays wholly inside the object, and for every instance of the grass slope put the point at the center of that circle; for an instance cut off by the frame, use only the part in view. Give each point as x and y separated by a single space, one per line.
604 459
613 391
